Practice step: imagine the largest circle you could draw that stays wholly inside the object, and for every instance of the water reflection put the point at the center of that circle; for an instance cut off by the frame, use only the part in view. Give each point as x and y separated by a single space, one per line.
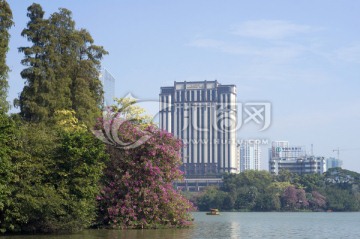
238 225
235 230
115 234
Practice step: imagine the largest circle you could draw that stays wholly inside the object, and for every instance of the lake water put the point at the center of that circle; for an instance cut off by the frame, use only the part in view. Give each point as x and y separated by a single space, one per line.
279 225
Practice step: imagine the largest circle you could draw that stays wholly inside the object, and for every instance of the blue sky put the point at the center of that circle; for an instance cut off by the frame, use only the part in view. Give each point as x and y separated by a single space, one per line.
302 56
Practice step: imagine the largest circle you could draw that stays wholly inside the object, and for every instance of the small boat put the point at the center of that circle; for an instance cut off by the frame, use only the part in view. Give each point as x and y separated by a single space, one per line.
213 211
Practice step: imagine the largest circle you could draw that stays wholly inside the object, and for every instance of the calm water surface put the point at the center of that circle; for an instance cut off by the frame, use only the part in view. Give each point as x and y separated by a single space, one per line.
240 225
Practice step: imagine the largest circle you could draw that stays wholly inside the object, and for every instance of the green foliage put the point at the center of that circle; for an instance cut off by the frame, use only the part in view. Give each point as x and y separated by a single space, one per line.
342 178
62 68
7 142
54 178
211 198
29 157
127 109
77 167
337 190
5 24
247 189
341 200
311 182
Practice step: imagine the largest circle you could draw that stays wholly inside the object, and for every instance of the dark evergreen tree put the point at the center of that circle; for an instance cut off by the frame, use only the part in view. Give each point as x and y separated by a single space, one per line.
5 24
62 68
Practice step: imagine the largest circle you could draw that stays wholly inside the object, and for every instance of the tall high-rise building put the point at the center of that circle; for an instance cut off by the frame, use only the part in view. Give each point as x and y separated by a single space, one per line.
203 114
250 156
108 82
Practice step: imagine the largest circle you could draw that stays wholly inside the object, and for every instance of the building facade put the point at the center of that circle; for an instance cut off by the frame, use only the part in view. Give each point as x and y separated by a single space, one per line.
303 165
282 156
203 114
108 82
282 149
333 163
250 156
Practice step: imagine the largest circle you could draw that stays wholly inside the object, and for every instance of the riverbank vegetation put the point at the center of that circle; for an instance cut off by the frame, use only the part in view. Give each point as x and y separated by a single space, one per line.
336 190
56 175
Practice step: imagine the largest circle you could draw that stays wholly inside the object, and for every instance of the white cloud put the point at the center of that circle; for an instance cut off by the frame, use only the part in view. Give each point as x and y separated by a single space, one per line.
223 46
271 29
349 54
274 52
274 48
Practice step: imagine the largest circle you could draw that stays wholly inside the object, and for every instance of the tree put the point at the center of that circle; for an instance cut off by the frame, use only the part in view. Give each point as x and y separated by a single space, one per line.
317 201
76 168
129 111
342 178
311 182
341 199
289 198
54 177
29 195
62 68
5 24
272 195
7 143
294 198
247 197
137 190
212 197
284 176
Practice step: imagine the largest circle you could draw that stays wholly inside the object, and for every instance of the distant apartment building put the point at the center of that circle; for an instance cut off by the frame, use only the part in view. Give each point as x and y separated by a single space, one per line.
250 155
282 156
203 114
303 165
333 163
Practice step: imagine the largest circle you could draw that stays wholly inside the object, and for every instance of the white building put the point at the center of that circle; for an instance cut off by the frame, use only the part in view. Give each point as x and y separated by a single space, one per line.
203 114
302 165
282 149
283 156
250 156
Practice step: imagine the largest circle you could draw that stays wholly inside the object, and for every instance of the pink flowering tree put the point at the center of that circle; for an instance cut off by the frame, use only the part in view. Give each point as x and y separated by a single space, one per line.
317 201
294 198
137 189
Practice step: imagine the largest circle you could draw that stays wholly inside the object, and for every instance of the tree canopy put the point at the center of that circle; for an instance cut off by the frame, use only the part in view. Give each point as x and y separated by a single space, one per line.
50 163
5 24
137 190
336 190
62 68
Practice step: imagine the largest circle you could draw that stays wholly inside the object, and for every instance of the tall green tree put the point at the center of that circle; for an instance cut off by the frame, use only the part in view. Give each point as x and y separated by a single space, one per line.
5 24
49 179
62 68
7 142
